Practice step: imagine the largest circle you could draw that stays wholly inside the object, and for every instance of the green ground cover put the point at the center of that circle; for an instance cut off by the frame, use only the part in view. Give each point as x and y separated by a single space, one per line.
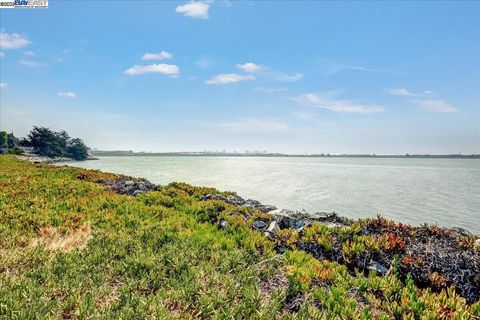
69 249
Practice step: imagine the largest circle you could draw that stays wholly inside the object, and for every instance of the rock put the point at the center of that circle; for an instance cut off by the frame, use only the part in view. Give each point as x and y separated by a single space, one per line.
239 201
457 231
290 219
223 225
272 229
259 225
378 267
137 192
129 186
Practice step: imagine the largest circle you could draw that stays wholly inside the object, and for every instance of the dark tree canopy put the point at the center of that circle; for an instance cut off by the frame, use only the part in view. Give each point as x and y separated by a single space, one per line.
46 142
76 149
3 140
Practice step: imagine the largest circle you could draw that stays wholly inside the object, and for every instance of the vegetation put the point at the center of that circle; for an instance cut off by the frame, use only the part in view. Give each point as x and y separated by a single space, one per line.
9 143
47 142
70 249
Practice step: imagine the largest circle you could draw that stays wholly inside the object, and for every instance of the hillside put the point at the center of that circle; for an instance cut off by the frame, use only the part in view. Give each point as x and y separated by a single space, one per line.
73 247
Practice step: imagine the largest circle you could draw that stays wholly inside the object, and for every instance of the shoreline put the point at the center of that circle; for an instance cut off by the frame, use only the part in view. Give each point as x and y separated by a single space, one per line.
33 158
138 224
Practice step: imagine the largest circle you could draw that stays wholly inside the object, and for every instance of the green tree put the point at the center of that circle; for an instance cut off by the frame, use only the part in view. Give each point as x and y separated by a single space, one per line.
12 141
3 140
47 142
76 149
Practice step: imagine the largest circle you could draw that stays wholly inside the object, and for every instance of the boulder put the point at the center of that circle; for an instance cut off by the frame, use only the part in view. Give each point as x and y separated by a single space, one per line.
239 201
223 225
378 267
259 225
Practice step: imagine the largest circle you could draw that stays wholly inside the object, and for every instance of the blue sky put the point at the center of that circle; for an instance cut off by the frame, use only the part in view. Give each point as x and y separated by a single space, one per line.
297 77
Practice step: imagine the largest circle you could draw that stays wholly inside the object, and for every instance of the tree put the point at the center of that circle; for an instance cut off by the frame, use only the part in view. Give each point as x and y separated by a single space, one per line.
46 142
12 141
76 149
3 140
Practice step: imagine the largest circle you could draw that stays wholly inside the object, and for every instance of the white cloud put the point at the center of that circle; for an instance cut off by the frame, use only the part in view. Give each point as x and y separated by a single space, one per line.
255 125
405 93
167 69
157 56
402 92
67 94
2 54
336 68
3 85
270 90
250 67
12 41
31 63
29 53
195 9
229 78
282 77
304 115
330 102
436 106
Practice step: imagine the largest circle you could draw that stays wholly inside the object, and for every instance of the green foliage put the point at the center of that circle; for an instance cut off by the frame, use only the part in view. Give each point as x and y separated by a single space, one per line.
163 255
76 149
49 143
14 151
3 140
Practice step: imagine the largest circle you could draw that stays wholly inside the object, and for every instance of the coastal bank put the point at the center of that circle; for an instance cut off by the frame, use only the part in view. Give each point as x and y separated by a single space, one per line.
86 244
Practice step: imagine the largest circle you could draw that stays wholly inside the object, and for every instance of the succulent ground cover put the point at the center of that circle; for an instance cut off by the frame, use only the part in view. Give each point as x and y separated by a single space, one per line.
73 248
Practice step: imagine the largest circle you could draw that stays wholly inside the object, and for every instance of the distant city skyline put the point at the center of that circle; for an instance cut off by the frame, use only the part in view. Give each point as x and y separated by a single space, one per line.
285 77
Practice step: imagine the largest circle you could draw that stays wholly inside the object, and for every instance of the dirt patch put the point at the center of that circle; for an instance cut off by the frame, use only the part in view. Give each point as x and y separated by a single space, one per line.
54 240
276 283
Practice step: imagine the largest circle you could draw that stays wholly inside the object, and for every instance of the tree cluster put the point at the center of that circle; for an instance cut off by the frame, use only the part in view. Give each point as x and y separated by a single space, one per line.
46 142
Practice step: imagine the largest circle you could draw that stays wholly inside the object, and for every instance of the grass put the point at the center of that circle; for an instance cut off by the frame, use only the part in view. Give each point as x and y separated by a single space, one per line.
69 249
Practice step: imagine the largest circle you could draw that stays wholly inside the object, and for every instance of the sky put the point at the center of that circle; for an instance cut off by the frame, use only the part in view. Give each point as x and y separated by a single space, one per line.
290 77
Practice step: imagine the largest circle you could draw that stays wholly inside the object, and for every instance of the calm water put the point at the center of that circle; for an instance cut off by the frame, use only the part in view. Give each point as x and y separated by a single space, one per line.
441 191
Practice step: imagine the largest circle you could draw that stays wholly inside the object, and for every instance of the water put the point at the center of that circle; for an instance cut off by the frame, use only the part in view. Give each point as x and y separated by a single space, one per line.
440 191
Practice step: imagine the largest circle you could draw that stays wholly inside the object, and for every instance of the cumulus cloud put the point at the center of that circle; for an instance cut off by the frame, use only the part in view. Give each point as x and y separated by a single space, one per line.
3 85
255 125
270 90
195 9
67 94
167 69
229 78
32 63
157 56
2 54
12 41
330 102
250 67
29 53
436 106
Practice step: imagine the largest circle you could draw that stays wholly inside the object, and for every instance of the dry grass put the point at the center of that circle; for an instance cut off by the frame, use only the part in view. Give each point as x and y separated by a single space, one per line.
54 240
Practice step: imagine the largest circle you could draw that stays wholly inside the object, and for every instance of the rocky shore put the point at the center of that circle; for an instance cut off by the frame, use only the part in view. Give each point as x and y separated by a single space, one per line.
33 158
434 257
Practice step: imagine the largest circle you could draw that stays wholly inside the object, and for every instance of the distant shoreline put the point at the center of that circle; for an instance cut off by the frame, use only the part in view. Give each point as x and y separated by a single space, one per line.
265 155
